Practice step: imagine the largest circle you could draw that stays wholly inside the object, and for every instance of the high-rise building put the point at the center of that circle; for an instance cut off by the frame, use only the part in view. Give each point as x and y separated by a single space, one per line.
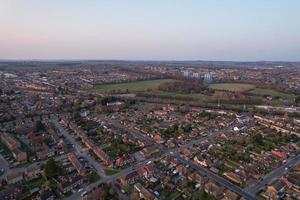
186 73
190 74
208 77
196 75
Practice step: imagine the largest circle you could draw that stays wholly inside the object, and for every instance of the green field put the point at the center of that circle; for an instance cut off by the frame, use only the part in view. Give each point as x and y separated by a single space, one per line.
232 87
93 177
111 171
192 96
136 86
150 87
144 86
271 92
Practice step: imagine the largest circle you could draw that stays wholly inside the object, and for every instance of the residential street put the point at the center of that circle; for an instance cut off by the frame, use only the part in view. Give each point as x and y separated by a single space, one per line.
248 193
280 171
79 149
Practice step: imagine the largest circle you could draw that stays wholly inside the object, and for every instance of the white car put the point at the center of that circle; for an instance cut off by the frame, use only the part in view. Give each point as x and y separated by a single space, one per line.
83 194
80 190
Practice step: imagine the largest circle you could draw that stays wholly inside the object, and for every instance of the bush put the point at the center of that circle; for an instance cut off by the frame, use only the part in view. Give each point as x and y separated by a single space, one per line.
53 168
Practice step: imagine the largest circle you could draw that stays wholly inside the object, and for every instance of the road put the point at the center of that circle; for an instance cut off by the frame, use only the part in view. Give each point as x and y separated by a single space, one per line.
280 171
22 169
134 133
4 165
201 170
124 172
7 170
79 150
218 179
107 179
165 152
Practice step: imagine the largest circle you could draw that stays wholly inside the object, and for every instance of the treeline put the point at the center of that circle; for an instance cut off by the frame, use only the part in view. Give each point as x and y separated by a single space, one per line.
193 103
235 98
144 78
184 87
167 97
111 99
297 100
278 86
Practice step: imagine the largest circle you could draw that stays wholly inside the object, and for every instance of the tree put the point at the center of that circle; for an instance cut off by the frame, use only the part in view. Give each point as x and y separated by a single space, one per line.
297 100
53 168
93 177
39 126
257 138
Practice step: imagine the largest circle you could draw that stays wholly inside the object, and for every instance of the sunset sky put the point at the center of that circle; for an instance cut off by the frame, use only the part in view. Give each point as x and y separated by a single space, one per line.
240 30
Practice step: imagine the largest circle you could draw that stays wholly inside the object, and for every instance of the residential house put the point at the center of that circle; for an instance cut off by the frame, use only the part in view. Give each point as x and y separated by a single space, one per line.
230 195
47 196
45 153
130 178
214 189
76 163
32 172
278 154
181 169
98 193
19 155
195 177
14 178
144 193
11 193
233 177
70 183
10 142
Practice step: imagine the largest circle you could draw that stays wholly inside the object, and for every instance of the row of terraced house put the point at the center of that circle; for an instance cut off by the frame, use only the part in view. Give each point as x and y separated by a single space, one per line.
87 142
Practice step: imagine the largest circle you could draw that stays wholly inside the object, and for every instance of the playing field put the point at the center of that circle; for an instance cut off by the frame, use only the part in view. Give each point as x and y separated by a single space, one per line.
271 92
174 95
233 87
136 86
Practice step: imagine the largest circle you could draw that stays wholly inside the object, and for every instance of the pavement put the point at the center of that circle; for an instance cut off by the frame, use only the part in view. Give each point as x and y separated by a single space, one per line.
218 179
124 172
22 169
165 152
4 165
79 149
201 170
176 151
247 193
132 132
277 173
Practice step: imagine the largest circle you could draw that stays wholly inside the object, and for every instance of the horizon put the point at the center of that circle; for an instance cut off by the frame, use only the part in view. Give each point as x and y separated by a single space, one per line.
230 31
142 60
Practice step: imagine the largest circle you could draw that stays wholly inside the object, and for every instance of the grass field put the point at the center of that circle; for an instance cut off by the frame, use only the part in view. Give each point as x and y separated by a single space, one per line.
144 86
271 92
194 96
110 172
136 86
233 87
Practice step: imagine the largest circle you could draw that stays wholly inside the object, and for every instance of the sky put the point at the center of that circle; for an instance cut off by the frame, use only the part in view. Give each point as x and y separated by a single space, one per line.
236 30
